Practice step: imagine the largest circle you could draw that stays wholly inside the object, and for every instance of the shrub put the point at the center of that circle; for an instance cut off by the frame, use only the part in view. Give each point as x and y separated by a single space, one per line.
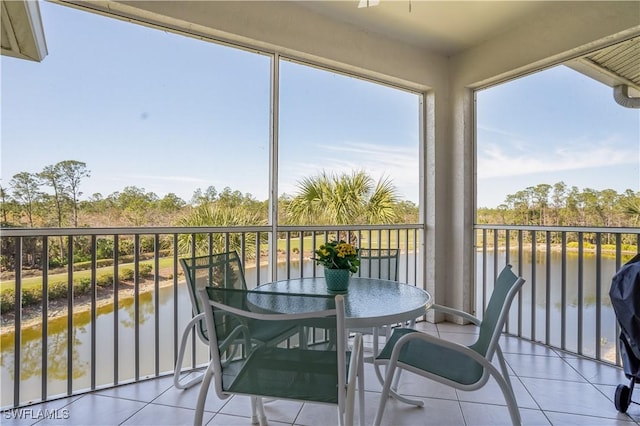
57 290
104 248
82 286
125 247
585 245
126 274
31 296
147 244
145 270
56 262
104 262
81 266
7 300
104 280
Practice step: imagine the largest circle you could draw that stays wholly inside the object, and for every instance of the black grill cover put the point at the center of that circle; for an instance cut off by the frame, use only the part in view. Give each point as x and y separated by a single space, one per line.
625 299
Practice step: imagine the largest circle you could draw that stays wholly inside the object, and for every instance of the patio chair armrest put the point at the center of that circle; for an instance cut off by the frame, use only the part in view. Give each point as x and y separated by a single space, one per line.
456 312
240 330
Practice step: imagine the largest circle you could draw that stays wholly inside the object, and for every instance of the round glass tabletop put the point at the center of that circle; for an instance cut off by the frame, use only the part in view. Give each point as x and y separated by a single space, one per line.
369 302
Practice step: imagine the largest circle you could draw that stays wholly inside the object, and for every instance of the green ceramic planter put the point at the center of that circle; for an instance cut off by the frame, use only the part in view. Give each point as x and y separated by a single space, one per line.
337 280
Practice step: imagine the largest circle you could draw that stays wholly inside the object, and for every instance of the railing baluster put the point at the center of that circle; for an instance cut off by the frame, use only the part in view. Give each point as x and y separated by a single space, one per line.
484 272
547 293
17 318
136 305
563 304
116 308
288 256
507 261
580 290
156 300
534 251
618 264
45 315
258 260
70 316
598 293
193 334
301 254
94 316
520 245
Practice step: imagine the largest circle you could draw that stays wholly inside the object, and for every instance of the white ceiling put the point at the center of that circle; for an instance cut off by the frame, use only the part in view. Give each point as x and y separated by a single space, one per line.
446 27
451 27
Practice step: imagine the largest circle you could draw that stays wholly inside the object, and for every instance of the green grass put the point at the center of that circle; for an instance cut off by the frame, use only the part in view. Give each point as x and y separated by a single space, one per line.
31 282
167 262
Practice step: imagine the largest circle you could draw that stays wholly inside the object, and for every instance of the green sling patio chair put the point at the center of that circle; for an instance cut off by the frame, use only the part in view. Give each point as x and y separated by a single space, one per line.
305 368
381 264
221 270
462 367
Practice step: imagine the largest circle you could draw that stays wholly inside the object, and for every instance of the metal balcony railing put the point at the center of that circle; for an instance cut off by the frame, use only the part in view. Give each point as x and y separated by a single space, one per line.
568 270
108 321
104 322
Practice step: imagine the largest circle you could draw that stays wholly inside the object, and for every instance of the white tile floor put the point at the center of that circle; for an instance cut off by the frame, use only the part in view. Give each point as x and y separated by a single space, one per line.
551 388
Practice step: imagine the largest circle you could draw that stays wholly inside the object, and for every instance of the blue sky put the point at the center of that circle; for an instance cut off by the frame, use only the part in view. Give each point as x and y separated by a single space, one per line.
555 125
169 113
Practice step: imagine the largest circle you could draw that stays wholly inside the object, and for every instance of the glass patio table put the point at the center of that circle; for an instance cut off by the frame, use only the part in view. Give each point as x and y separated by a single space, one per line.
369 302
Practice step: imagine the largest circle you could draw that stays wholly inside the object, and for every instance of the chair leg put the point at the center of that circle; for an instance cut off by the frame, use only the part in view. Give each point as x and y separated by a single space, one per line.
258 415
393 391
202 395
376 367
361 387
183 345
356 381
507 389
386 388
375 348
503 367
396 380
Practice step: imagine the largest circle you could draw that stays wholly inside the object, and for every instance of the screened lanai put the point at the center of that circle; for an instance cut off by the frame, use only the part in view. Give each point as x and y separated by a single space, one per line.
443 50
438 52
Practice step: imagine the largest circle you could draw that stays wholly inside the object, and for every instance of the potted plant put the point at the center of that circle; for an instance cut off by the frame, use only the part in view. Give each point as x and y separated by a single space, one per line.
340 259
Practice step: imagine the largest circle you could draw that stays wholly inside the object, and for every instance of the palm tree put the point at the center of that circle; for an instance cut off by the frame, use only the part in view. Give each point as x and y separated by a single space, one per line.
213 215
345 199
631 206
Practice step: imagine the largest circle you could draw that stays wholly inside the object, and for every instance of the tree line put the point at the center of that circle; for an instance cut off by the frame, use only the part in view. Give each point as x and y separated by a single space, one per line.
561 205
51 198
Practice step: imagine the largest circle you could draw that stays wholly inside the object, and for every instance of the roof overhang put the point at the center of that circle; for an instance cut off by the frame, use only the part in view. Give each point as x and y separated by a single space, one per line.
617 66
22 33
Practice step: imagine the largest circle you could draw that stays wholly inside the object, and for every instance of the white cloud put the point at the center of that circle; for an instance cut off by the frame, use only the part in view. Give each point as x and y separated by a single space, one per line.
397 163
496 161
